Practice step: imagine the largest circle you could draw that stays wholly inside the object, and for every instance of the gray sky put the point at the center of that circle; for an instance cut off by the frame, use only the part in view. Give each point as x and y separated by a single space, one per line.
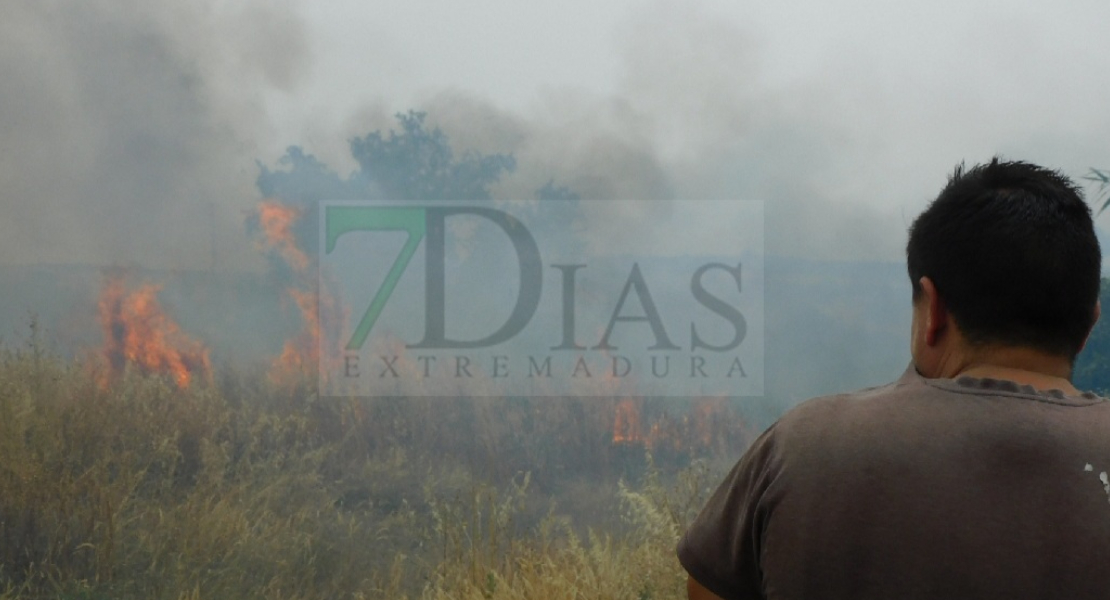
131 129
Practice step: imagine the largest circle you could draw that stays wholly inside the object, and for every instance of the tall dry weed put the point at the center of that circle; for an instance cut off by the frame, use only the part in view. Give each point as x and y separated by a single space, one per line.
553 561
236 489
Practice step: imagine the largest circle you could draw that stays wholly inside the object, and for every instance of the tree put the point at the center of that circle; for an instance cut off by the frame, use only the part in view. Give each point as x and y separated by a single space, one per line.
418 164
414 163
1102 177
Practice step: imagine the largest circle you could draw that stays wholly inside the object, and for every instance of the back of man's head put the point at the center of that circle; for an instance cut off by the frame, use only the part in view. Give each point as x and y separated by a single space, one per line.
1011 249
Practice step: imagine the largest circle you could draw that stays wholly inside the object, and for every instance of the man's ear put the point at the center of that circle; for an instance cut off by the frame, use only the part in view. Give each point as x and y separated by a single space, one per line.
936 312
1098 313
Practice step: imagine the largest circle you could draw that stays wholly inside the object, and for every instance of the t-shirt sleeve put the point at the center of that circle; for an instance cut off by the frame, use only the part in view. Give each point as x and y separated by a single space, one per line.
722 547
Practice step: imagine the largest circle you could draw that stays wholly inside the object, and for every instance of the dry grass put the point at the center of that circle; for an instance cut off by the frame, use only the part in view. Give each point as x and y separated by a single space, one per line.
239 491
557 563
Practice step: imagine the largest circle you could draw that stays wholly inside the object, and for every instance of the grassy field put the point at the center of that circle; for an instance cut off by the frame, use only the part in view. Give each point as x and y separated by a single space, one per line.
239 489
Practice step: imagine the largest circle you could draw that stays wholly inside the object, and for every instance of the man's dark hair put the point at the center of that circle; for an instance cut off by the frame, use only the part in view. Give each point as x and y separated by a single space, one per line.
1011 249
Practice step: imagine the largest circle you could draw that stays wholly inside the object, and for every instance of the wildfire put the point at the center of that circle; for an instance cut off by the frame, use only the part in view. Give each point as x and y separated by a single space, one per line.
138 332
276 221
298 355
626 423
708 425
301 353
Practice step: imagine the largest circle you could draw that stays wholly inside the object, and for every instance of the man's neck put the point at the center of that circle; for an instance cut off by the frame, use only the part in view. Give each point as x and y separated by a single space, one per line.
1024 366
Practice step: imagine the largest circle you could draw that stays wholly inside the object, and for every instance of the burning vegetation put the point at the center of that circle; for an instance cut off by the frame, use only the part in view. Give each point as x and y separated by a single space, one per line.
138 332
626 423
709 426
276 222
300 355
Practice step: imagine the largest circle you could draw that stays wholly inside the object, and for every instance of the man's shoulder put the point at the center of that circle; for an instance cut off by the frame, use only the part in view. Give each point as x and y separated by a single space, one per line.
912 391
913 409
900 394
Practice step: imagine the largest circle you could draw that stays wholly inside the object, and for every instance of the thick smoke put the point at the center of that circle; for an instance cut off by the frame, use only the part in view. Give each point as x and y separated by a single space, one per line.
134 131
131 127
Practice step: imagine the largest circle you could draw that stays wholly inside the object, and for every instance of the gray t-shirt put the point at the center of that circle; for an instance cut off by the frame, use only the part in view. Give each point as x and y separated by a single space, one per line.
923 488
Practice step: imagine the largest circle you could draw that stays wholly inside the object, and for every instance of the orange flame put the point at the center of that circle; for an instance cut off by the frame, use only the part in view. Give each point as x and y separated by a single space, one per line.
708 426
626 423
276 221
138 332
300 354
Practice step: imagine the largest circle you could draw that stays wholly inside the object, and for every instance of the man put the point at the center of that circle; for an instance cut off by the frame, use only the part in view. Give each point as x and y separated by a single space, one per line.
981 472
